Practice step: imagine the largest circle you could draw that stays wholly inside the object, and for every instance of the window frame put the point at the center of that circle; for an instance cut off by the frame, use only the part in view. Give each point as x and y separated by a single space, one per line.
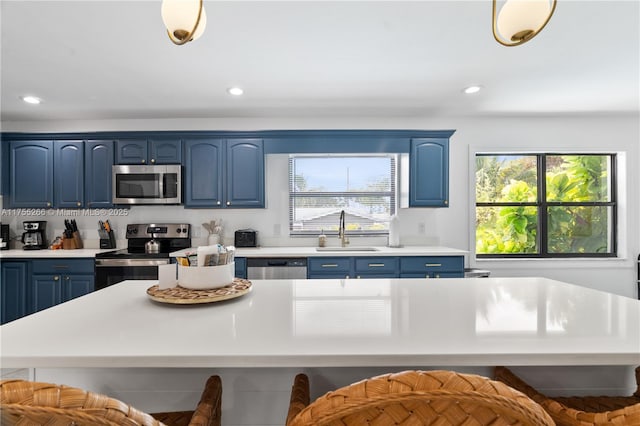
543 205
393 193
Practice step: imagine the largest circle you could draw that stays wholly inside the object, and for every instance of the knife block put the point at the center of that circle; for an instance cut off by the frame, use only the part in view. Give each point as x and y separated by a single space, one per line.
77 240
68 243
107 240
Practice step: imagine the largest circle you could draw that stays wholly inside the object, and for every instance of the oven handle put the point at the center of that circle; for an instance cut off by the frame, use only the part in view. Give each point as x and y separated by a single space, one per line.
106 263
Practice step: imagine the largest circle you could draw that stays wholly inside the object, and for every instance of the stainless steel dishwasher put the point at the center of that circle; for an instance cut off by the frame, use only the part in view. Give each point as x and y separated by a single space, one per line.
270 268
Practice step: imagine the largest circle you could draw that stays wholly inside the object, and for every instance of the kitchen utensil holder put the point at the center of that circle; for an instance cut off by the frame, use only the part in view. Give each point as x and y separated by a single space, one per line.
77 240
107 239
68 243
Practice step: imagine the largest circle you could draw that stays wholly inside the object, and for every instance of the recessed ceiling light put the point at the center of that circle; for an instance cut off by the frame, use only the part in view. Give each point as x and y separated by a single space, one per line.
472 89
235 91
31 99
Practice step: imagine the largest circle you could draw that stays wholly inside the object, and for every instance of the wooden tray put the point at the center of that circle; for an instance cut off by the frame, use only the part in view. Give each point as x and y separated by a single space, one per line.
185 296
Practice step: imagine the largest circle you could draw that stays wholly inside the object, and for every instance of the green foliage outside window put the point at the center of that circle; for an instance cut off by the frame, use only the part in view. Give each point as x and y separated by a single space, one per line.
577 204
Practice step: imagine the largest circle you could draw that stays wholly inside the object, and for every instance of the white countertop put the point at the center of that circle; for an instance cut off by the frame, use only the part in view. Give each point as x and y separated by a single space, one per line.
321 323
49 254
313 252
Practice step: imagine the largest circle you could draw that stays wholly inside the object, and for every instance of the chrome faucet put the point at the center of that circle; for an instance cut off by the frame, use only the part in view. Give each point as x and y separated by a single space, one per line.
341 231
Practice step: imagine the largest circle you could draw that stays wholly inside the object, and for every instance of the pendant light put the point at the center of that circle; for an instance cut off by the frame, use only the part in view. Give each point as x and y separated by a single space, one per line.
520 20
185 19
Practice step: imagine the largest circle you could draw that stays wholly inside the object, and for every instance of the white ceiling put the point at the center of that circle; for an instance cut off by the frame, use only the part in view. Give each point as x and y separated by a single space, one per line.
113 60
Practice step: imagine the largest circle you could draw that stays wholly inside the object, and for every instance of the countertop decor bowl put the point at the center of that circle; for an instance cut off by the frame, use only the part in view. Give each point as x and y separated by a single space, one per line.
205 277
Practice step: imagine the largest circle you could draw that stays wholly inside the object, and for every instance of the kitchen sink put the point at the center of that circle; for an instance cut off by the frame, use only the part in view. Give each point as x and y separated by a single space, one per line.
346 249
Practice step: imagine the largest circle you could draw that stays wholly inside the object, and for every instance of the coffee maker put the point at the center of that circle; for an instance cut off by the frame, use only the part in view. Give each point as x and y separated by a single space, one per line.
4 237
34 236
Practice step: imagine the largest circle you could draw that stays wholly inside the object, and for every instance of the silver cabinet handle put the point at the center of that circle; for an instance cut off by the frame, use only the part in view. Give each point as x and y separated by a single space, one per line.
153 161
56 278
428 265
218 203
228 203
144 161
329 265
376 265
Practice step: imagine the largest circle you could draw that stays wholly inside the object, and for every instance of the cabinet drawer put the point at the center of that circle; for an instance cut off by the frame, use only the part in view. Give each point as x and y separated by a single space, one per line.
432 264
63 266
329 265
376 265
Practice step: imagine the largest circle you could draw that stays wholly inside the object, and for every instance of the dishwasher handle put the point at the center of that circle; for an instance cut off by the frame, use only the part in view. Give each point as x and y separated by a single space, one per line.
276 262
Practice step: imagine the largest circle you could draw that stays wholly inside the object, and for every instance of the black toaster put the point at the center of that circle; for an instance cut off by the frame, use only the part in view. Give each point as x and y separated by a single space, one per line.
246 238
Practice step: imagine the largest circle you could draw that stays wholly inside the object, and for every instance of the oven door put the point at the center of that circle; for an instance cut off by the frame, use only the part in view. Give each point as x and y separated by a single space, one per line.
113 271
146 184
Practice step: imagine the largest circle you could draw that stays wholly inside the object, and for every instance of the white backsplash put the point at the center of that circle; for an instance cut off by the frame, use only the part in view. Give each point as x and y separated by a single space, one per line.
417 226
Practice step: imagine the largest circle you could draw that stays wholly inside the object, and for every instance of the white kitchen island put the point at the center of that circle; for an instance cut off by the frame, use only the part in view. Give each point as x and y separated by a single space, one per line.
120 342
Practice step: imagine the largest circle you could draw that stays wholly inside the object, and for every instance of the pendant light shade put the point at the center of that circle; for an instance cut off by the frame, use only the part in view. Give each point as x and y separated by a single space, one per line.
185 19
518 21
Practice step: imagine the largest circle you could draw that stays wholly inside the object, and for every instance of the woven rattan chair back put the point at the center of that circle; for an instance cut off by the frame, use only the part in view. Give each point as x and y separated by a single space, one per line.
27 403
417 398
581 410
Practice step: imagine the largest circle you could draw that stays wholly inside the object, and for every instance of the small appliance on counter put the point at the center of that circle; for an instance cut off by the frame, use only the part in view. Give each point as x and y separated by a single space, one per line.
4 237
246 238
34 236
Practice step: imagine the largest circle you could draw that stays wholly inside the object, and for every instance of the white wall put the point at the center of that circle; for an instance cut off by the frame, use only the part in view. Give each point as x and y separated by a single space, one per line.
452 227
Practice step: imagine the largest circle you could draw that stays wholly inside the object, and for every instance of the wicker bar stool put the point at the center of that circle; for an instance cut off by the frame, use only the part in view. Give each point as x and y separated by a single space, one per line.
416 398
581 410
32 403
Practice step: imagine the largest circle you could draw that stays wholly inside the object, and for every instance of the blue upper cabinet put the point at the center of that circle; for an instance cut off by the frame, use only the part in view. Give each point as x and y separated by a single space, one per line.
429 172
163 151
158 151
223 173
203 172
31 174
245 174
98 159
69 174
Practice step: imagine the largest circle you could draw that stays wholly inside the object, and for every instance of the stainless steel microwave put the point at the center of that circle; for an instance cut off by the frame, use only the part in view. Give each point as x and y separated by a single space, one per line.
147 184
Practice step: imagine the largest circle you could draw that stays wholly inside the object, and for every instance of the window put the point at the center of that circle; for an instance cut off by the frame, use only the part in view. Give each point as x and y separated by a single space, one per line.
545 205
321 186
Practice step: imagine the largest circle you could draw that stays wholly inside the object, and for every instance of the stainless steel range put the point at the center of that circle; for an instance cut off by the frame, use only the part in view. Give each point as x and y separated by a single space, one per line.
148 245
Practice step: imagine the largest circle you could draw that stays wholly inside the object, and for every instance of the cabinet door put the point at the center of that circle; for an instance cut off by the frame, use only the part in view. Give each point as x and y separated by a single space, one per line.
245 175
429 173
13 290
46 291
69 174
432 265
131 152
98 161
241 267
376 267
31 174
165 152
329 267
203 173
76 285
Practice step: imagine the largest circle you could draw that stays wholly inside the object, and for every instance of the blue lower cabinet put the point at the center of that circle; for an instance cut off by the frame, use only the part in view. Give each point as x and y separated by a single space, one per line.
330 267
46 291
76 285
13 290
57 280
432 267
241 267
376 267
